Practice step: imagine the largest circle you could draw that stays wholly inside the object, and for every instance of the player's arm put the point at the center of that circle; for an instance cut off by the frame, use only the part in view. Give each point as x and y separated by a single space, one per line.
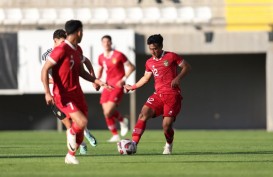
99 73
185 69
130 69
87 76
45 80
90 68
142 81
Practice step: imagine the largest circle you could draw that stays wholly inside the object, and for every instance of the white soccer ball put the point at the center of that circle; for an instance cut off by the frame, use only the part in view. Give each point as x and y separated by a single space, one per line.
125 147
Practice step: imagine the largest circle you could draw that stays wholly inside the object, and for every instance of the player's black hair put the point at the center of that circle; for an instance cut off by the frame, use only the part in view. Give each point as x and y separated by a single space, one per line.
59 33
72 26
107 37
155 39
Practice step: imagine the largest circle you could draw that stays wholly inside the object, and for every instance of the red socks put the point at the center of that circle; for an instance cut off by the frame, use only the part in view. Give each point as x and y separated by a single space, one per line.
138 130
118 116
169 136
111 125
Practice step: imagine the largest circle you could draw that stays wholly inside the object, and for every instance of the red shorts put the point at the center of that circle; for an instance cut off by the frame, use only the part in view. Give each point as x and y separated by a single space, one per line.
71 103
114 95
168 105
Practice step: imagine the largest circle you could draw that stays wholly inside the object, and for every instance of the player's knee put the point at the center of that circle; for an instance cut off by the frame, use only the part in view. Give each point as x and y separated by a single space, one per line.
83 123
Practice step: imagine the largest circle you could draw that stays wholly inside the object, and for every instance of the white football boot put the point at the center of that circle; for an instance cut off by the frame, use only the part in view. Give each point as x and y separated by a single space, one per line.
168 149
70 159
124 126
71 141
113 139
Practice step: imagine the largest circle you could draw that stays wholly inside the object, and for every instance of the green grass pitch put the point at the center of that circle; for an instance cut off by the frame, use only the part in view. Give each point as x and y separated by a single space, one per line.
246 153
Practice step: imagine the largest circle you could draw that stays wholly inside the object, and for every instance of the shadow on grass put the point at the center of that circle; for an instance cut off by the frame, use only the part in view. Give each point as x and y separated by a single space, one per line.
141 154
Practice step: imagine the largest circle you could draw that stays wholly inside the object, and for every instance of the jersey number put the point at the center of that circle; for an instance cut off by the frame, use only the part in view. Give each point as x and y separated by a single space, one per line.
71 64
150 100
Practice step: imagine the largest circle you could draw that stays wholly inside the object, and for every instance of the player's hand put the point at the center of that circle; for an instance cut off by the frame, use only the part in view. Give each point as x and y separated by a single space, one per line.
96 86
128 88
106 86
175 83
49 99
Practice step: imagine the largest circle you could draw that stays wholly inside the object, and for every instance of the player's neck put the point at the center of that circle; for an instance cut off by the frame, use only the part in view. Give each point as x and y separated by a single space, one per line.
72 40
108 53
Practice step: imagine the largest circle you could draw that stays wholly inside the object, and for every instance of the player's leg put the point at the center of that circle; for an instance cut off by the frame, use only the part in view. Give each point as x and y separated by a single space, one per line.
108 110
116 97
79 122
172 107
67 123
145 114
70 156
75 135
167 125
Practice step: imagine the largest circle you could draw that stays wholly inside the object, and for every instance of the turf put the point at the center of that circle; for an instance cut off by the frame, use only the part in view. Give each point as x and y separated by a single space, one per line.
196 153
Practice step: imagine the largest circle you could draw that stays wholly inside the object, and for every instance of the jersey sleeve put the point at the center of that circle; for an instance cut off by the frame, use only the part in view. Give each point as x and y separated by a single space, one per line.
178 59
123 58
46 54
147 68
56 54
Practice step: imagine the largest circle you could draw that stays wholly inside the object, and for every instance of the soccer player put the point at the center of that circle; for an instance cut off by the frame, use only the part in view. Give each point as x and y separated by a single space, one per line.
166 100
114 62
66 62
58 37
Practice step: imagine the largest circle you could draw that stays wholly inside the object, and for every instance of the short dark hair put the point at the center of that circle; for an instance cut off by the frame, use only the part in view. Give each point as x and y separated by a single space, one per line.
59 33
72 26
155 39
107 37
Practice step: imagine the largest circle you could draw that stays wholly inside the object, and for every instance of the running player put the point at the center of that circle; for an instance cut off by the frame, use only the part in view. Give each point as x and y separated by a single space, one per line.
58 37
66 62
114 62
166 100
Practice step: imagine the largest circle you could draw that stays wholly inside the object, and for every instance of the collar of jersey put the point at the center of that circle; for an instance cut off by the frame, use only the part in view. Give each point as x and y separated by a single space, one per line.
72 46
111 53
157 59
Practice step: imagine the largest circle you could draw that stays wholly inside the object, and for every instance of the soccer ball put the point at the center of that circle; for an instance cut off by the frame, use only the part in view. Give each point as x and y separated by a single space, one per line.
125 147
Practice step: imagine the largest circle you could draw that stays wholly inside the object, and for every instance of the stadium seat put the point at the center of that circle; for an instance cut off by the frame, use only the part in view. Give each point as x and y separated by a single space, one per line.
185 15
99 15
150 15
117 15
13 16
202 15
47 16
168 15
30 16
2 15
83 14
133 15
63 15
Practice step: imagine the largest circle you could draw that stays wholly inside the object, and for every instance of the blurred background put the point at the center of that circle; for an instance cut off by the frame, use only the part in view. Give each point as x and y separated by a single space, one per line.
227 42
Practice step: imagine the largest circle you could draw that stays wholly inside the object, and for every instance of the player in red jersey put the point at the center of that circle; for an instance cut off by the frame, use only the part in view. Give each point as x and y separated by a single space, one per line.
114 62
59 36
66 62
166 100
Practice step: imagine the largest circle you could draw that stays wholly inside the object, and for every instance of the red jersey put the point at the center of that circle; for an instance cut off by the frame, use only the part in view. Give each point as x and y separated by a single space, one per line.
114 66
164 71
65 73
